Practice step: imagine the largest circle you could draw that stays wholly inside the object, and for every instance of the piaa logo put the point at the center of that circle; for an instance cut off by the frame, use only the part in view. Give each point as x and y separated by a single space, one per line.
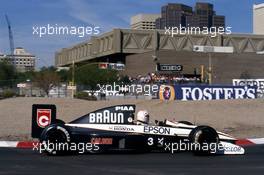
43 117
166 92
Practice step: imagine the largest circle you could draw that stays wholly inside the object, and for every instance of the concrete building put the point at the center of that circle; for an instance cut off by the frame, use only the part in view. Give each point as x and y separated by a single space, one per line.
258 18
137 48
176 15
144 21
22 60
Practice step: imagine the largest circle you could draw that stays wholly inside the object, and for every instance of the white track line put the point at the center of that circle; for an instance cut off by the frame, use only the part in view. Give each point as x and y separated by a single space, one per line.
12 144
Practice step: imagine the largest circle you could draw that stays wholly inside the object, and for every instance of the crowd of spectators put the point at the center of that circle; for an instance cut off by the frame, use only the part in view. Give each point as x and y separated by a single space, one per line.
165 79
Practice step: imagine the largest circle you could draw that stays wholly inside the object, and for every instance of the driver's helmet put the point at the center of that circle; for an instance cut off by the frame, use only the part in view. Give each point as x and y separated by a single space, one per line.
142 117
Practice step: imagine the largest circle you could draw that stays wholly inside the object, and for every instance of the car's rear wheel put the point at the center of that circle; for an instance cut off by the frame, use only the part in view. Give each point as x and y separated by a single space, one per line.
55 139
204 140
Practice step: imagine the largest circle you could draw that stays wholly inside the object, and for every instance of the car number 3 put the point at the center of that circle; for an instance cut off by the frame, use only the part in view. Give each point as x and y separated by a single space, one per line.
150 141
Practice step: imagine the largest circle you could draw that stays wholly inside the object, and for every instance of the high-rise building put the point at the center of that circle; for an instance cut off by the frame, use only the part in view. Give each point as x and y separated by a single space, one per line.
258 18
203 15
206 16
218 21
22 60
144 21
172 15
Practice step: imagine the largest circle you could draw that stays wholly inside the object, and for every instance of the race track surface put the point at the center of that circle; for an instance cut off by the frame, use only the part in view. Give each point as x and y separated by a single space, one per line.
21 161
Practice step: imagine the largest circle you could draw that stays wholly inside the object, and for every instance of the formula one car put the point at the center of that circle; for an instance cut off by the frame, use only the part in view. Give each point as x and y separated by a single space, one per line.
115 128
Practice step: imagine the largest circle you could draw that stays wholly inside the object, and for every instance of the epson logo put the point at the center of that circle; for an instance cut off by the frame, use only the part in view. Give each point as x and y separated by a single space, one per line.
156 130
124 108
106 117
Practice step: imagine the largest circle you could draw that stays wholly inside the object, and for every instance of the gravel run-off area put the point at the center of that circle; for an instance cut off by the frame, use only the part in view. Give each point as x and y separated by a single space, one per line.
240 118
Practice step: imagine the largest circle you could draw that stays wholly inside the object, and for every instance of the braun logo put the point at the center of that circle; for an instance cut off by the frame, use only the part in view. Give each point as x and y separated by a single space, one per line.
106 117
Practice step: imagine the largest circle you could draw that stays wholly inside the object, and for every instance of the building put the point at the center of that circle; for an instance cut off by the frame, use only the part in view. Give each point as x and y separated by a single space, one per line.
137 48
144 21
22 60
206 16
173 15
176 15
258 18
1 55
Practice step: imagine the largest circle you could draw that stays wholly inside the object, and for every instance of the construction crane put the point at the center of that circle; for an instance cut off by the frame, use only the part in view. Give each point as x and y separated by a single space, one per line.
11 39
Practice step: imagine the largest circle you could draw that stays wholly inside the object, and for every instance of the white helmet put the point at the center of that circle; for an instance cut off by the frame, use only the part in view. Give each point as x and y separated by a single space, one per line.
142 117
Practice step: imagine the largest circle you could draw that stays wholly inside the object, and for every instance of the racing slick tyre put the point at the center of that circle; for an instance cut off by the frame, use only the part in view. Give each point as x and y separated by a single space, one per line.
204 140
185 122
55 139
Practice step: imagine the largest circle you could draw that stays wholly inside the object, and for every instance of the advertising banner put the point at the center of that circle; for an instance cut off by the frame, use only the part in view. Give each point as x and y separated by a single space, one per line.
111 66
169 67
259 83
206 92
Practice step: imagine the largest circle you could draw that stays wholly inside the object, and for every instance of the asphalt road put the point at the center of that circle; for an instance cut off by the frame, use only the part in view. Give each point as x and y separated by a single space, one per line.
21 161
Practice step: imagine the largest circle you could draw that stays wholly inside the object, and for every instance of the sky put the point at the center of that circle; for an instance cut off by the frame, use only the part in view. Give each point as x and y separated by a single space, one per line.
106 14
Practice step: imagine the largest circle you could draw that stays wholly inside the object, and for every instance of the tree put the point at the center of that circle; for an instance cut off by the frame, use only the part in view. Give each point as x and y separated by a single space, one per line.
64 75
91 75
46 79
7 74
24 76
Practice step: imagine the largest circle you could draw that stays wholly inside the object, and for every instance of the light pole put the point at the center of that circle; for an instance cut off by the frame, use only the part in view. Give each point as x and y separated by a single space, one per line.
73 78
29 81
210 50
155 48
210 68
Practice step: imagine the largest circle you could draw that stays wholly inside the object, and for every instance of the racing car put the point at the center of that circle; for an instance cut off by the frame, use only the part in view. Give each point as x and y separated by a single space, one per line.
116 129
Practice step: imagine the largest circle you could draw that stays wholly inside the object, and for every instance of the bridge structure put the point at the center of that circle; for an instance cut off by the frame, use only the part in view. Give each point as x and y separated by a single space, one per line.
126 42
